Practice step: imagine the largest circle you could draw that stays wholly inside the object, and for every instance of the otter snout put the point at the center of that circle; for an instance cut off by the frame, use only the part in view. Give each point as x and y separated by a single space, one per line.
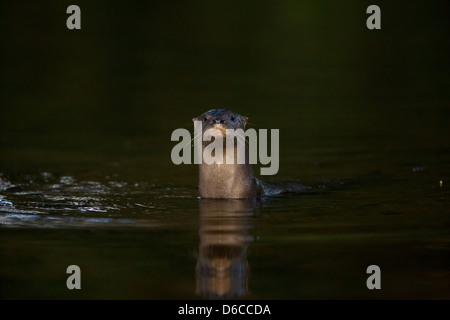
218 121
221 119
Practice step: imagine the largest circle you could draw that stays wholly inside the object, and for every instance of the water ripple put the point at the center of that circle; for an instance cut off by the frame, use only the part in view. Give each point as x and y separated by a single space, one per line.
47 201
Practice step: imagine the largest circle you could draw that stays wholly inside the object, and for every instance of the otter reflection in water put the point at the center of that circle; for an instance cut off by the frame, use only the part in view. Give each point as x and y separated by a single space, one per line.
222 269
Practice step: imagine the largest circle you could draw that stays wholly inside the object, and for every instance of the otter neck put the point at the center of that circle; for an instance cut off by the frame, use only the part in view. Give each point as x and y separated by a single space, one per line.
227 180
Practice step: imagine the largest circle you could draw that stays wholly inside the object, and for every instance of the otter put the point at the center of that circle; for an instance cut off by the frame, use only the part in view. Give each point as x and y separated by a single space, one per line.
226 181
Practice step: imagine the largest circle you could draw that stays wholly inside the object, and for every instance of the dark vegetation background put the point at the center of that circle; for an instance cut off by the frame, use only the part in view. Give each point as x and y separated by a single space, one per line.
113 92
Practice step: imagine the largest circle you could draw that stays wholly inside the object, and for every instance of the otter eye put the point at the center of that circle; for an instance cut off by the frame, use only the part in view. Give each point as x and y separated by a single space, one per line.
205 119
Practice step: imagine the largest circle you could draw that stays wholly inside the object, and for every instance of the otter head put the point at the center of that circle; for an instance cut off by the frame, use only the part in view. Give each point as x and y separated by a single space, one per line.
219 120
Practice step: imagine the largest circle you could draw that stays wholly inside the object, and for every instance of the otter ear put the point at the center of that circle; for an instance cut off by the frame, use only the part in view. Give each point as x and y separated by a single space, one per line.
245 120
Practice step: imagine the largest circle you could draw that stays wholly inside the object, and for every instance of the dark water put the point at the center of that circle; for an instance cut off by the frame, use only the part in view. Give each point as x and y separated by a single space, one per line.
86 177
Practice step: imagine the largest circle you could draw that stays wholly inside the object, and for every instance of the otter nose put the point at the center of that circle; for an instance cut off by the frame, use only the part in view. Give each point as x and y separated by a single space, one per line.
218 120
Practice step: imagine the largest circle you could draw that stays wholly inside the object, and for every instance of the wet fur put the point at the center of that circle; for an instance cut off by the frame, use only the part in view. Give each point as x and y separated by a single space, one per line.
226 181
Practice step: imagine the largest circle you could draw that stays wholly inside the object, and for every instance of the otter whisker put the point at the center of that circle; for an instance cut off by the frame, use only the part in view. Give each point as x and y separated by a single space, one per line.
198 136
242 137
252 124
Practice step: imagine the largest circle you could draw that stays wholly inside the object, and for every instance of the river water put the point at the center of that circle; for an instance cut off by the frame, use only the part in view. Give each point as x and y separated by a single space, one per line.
86 177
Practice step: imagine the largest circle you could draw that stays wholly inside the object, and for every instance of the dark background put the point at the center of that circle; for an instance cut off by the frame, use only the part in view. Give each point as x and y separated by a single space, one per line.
138 70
